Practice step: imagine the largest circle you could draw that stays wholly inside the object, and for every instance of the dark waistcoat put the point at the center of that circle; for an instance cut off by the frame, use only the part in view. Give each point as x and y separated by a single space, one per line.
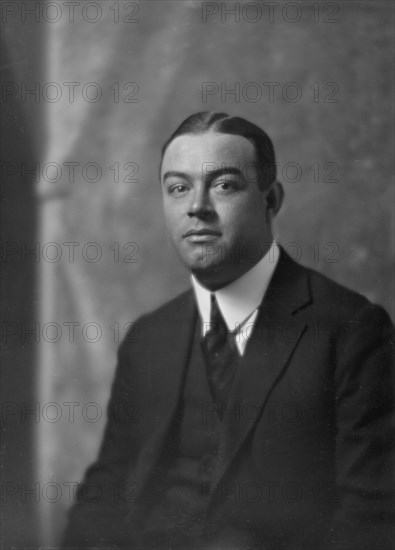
176 497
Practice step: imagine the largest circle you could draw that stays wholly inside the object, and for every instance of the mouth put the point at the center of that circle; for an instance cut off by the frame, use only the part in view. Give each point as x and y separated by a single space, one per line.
201 235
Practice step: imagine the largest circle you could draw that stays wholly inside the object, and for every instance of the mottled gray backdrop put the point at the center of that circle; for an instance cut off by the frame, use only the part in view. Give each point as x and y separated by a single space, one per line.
110 81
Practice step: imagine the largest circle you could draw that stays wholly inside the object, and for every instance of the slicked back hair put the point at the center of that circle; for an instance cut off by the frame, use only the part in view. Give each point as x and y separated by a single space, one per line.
202 122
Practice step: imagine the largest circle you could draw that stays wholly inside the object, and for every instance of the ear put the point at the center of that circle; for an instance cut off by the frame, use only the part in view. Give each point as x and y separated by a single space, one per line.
275 198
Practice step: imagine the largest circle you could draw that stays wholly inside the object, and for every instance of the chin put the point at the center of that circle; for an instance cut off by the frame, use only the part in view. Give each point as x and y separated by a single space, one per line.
205 270
198 259
199 266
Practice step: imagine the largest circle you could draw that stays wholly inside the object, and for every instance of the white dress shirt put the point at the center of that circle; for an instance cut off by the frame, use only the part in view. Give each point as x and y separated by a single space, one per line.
239 301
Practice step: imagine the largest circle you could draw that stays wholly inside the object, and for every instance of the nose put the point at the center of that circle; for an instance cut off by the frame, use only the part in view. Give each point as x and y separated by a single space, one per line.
200 204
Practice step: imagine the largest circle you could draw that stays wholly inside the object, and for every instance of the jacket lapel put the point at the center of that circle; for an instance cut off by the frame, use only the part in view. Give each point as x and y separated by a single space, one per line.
276 334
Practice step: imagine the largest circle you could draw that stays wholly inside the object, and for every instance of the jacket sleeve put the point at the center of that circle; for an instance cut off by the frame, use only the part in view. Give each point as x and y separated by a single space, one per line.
97 519
364 393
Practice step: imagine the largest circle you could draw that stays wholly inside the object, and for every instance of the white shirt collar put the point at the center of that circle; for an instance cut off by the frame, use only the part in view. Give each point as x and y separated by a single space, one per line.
238 300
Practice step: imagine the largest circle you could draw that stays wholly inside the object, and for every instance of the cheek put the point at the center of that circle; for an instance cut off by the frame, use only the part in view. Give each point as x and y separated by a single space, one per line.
175 226
242 215
170 214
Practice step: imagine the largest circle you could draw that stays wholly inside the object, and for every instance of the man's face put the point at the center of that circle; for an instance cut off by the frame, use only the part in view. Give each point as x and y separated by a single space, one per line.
215 212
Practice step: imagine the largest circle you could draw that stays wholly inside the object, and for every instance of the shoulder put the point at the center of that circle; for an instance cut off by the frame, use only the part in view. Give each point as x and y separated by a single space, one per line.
174 308
335 303
158 322
327 291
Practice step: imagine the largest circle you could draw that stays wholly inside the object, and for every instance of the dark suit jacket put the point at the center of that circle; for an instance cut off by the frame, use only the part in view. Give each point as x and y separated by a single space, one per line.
305 461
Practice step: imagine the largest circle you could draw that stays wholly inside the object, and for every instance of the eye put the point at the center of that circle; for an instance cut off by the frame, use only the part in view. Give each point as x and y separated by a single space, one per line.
224 186
177 189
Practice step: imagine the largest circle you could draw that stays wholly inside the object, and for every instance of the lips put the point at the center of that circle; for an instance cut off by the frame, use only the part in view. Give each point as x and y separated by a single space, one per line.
202 232
199 236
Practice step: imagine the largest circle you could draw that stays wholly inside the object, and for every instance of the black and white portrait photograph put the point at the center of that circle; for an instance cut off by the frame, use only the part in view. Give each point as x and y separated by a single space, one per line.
197 275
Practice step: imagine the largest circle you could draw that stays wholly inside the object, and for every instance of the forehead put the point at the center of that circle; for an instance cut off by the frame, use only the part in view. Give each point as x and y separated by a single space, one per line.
187 153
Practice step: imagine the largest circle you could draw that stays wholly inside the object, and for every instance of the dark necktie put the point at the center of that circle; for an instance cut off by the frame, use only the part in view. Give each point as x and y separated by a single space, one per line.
219 349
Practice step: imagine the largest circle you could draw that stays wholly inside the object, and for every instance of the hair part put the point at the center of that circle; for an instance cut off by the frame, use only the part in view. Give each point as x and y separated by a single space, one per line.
202 122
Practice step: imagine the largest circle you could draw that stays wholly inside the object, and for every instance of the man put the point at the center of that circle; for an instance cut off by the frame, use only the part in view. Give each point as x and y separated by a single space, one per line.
262 396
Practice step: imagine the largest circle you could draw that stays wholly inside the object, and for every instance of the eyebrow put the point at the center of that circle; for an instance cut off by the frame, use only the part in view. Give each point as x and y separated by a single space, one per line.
174 174
223 171
211 175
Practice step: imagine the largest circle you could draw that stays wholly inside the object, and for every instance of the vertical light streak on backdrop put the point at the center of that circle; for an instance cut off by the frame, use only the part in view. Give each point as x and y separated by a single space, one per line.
51 199
76 365
67 295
